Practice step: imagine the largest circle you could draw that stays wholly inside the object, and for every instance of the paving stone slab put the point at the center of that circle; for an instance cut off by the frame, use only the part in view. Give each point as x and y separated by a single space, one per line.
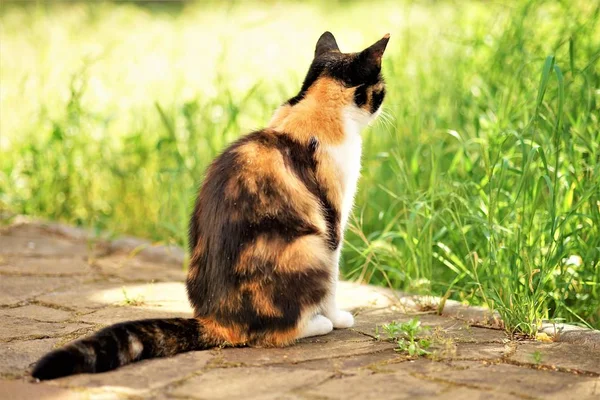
36 313
353 296
143 377
85 297
356 296
465 393
114 315
135 269
16 390
369 361
17 356
513 379
65 295
565 333
454 329
481 315
451 350
475 351
249 383
59 266
25 328
350 335
562 355
368 385
301 352
35 241
15 289
146 250
169 296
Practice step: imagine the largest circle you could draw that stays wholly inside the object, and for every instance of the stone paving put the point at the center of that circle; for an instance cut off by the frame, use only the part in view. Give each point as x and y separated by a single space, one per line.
58 284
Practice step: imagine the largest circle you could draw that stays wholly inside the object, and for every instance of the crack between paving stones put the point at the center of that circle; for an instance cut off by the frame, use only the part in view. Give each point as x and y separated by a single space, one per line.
101 275
215 363
364 334
508 361
219 363
55 289
48 305
505 359
40 275
322 358
300 391
76 333
545 367
449 382
374 367
57 256
463 341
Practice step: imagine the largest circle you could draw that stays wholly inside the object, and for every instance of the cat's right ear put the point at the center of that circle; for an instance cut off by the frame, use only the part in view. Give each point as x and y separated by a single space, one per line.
326 43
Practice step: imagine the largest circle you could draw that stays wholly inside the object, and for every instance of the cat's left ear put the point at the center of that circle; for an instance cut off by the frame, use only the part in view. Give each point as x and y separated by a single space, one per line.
326 43
374 53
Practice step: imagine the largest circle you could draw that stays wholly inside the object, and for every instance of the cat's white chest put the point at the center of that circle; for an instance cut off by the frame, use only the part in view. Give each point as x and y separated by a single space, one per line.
347 157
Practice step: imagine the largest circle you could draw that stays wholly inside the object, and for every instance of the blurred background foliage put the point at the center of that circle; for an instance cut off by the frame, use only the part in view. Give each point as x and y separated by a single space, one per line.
481 182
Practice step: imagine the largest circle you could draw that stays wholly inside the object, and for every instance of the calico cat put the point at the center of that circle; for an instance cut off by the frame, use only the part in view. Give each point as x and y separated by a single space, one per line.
265 235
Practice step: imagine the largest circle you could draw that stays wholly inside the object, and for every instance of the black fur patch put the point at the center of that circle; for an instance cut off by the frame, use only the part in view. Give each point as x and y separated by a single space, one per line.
377 100
360 96
351 69
104 350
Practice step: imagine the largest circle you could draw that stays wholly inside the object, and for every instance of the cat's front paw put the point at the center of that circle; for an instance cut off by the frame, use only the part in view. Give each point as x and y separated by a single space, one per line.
342 319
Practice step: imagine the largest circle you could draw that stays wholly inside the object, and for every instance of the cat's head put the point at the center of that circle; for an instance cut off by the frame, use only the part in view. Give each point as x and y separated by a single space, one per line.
352 78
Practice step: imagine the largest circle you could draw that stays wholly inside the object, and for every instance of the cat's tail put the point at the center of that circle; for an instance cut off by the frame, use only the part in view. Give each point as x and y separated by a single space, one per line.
122 344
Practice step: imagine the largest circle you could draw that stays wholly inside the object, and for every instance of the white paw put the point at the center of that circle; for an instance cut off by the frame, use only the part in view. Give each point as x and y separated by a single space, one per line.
321 325
342 319
317 326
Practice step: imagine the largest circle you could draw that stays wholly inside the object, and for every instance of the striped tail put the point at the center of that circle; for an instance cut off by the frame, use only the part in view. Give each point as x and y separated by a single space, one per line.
121 344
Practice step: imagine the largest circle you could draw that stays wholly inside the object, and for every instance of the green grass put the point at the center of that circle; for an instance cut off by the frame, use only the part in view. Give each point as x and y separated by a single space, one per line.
481 184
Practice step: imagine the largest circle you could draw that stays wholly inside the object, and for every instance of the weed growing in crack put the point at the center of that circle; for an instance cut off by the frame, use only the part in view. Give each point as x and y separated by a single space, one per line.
408 336
537 357
132 301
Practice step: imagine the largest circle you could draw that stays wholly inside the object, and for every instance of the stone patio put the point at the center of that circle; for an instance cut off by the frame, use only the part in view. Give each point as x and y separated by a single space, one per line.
58 283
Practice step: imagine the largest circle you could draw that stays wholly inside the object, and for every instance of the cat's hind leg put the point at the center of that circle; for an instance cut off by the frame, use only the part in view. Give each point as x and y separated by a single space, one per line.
316 326
340 318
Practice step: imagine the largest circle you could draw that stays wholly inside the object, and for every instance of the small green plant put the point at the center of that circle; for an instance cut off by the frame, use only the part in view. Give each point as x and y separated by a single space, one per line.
132 301
537 356
407 336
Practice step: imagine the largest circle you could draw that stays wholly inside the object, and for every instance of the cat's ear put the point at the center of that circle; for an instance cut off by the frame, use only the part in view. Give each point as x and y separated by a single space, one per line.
326 43
374 53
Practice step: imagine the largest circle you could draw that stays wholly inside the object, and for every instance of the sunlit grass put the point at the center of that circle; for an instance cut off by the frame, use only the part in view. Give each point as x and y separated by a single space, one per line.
481 182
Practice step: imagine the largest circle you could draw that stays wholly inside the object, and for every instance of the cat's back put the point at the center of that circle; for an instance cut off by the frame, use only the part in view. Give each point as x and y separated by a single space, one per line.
258 176
258 197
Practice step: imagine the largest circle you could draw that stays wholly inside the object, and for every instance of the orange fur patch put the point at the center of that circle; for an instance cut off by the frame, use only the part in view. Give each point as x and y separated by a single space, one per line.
280 114
235 335
262 299
305 252
318 114
262 162
278 338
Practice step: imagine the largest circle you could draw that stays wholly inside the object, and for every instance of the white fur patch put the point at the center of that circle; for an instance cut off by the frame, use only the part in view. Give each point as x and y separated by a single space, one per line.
347 156
318 325
135 347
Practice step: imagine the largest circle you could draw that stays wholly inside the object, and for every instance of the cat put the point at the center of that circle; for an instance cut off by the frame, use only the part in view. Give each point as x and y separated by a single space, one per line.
266 231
